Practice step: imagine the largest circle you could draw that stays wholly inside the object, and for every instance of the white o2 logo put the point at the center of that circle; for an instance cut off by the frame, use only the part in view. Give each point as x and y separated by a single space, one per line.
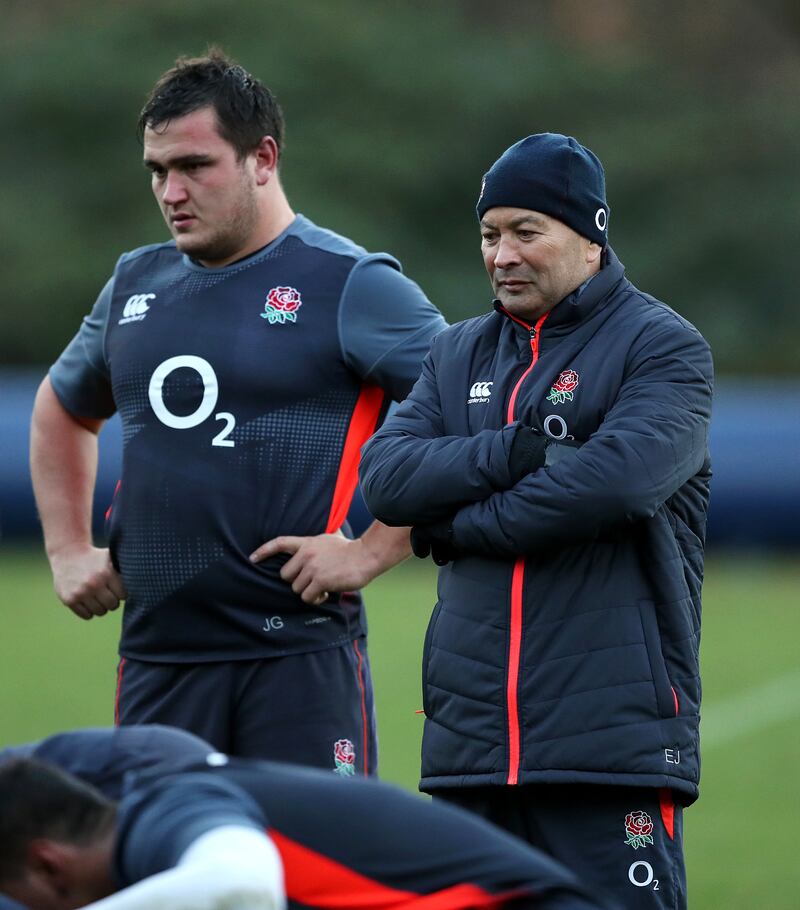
204 409
640 874
555 426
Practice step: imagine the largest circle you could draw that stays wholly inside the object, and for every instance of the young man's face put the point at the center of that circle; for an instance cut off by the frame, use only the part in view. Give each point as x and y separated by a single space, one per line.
533 260
206 194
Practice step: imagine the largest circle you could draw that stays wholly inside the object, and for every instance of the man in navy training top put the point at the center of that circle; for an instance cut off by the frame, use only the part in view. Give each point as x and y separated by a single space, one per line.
242 833
553 459
249 358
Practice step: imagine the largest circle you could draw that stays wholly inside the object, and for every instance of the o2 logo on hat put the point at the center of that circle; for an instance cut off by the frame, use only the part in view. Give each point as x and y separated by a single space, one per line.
601 219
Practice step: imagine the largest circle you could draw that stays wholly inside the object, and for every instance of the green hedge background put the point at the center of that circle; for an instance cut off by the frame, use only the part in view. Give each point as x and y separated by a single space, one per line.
394 111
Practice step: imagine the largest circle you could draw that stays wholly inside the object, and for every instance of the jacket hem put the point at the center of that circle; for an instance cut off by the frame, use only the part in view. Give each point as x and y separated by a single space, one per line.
687 791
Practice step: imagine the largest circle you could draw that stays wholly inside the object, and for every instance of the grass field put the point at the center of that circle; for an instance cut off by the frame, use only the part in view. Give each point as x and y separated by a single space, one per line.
57 672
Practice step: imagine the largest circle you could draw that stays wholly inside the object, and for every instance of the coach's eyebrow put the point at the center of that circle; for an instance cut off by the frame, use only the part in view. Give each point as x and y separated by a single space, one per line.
530 218
534 220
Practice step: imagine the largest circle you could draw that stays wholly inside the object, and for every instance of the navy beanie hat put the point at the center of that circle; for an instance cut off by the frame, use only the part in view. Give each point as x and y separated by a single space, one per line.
552 174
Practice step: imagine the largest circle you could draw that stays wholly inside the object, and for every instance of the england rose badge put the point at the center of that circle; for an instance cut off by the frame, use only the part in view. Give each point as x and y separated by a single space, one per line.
563 387
282 305
344 754
639 828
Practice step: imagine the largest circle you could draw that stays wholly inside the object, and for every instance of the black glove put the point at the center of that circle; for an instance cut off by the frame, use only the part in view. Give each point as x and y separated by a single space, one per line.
558 449
531 450
527 452
435 540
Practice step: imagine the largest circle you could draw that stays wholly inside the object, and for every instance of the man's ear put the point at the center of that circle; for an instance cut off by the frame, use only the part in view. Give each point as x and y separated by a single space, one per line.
593 252
49 866
266 160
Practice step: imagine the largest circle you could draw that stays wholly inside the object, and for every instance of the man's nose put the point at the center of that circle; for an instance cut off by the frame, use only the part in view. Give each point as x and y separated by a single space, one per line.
174 190
506 253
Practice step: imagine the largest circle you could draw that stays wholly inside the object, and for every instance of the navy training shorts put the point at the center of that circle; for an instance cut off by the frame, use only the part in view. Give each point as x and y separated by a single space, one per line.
314 709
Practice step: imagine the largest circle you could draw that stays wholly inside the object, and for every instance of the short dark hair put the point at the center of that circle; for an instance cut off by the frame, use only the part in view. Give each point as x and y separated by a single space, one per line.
39 800
246 109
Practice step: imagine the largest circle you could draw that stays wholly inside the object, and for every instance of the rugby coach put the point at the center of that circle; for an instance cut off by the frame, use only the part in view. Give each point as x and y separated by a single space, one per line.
553 458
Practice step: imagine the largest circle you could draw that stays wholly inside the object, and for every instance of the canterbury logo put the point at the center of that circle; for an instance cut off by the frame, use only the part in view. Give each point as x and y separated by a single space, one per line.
136 308
480 392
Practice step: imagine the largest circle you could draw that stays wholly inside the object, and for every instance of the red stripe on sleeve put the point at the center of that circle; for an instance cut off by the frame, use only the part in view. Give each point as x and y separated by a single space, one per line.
362 426
315 880
318 881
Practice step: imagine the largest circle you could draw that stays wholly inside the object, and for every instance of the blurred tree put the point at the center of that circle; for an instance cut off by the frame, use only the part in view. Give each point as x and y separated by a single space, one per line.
394 111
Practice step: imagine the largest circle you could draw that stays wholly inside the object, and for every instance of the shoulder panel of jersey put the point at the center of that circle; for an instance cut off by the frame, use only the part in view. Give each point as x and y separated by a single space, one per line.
130 255
331 242
103 756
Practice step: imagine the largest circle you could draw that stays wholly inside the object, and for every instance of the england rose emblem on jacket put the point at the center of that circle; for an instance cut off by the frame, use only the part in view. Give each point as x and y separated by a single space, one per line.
563 387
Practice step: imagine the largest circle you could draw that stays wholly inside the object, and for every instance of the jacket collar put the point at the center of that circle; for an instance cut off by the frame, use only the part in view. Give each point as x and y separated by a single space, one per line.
583 301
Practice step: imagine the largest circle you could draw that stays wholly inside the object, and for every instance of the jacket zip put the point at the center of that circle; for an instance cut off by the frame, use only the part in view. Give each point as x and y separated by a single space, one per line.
517 579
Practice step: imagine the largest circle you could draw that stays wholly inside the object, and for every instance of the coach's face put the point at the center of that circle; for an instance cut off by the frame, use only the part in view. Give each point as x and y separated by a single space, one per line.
207 194
534 260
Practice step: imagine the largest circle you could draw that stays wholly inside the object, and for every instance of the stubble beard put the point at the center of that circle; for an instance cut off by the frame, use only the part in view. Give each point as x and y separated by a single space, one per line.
225 240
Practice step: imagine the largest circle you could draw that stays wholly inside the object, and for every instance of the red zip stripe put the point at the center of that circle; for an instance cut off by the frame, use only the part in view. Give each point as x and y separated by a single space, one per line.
362 426
515 625
119 690
364 721
514 648
675 697
667 805
315 880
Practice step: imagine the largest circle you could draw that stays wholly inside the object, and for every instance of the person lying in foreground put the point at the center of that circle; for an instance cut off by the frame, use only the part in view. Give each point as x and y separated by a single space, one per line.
243 834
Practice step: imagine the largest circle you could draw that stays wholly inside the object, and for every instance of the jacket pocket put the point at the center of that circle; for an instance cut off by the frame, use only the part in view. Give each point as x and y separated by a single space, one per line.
426 655
666 698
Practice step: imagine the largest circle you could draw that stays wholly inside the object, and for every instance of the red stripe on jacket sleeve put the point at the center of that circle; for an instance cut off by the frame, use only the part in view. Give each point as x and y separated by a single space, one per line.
362 426
315 880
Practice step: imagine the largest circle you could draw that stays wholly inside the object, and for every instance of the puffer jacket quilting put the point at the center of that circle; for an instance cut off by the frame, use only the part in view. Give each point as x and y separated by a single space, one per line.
564 644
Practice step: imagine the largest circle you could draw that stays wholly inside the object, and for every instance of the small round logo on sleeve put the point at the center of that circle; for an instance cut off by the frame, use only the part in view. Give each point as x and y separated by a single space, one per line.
344 754
282 305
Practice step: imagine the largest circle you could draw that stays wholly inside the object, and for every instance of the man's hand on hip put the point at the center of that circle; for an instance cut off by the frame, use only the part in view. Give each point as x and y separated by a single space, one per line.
321 564
86 581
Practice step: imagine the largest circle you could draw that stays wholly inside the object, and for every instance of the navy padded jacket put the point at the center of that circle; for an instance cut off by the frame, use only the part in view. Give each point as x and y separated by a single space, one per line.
564 643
